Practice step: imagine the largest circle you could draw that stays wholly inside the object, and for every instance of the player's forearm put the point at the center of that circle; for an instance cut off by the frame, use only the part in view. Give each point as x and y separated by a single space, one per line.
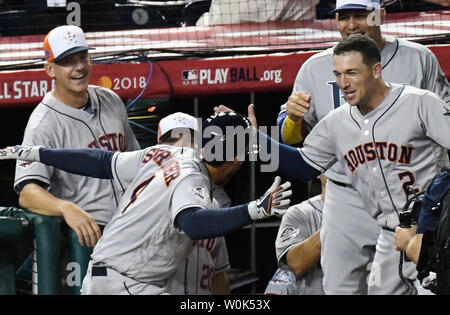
208 223
291 131
291 163
304 255
413 248
86 162
38 200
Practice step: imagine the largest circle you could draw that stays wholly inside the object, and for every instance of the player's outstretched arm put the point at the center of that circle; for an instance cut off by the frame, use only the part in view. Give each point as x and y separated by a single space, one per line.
288 155
86 162
208 223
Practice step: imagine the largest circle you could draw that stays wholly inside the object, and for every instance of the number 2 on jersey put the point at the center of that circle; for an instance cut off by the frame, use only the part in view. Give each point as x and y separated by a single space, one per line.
410 181
137 191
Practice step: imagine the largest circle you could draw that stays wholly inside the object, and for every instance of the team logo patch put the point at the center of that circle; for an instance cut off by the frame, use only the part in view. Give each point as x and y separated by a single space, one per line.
201 193
288 234
283 276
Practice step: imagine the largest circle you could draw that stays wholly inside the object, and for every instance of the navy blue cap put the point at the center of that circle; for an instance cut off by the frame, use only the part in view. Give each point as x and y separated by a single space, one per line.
217 131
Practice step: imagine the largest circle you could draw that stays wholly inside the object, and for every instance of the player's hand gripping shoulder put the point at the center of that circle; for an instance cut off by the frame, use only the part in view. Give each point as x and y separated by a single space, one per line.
19 152
273 202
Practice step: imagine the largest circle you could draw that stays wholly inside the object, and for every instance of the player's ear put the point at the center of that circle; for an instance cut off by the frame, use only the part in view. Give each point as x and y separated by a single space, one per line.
49 69
377 70
382 15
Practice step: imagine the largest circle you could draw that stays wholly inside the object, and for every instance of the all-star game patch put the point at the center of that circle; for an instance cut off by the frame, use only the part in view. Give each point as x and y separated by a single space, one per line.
287 234
201 193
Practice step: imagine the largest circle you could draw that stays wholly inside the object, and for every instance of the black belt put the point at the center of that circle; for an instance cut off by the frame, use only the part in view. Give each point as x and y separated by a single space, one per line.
388 229
98 271
340 184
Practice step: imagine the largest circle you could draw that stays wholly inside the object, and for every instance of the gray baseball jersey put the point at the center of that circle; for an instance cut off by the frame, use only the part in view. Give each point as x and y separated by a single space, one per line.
141 240
208 257
298 224
403 62
400 143
194 275
56 125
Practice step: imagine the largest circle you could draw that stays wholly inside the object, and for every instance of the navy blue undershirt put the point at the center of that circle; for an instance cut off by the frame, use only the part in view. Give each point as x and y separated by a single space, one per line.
291 163
86 162
200 223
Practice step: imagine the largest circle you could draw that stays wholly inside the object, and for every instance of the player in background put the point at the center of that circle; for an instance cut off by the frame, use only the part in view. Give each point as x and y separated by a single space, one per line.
349 233
298 249
203 272
73 115
166 203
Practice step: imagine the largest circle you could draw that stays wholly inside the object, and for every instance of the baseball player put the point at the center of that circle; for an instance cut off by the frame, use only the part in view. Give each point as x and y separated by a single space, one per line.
165 206
382 159
349 233
203 272
298 249
73 115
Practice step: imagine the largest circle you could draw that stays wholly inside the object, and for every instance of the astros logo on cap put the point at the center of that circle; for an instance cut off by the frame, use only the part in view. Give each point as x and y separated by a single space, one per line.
63 41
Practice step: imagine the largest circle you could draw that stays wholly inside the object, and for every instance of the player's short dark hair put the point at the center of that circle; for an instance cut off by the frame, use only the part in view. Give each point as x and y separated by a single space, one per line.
168 137
229 132
365 45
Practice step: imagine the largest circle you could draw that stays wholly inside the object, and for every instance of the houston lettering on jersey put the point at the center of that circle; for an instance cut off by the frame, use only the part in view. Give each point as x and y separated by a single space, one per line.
110 141
385 151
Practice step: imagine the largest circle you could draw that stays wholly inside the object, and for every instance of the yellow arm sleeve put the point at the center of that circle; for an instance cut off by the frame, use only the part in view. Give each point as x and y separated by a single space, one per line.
292 131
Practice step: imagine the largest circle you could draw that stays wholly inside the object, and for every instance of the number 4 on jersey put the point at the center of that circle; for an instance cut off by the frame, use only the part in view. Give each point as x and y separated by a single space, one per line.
137 191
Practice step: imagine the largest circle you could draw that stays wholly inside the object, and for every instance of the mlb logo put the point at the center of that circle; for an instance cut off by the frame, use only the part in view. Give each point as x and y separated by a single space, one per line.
190 76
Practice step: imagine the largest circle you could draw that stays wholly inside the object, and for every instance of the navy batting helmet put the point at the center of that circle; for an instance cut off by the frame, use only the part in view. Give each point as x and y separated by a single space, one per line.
225 135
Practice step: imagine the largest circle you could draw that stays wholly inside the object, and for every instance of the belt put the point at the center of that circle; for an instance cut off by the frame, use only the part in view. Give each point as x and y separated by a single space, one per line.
388 229
340 184
99 271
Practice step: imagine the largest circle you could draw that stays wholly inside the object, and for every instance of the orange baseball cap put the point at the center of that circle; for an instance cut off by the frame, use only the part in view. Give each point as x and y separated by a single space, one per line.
63 41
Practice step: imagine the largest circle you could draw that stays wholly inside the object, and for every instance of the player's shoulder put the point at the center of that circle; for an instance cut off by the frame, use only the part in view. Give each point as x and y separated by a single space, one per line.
413 96
312 205
104 93
102 90
412 91
407 46
43 114
307 208
324 56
